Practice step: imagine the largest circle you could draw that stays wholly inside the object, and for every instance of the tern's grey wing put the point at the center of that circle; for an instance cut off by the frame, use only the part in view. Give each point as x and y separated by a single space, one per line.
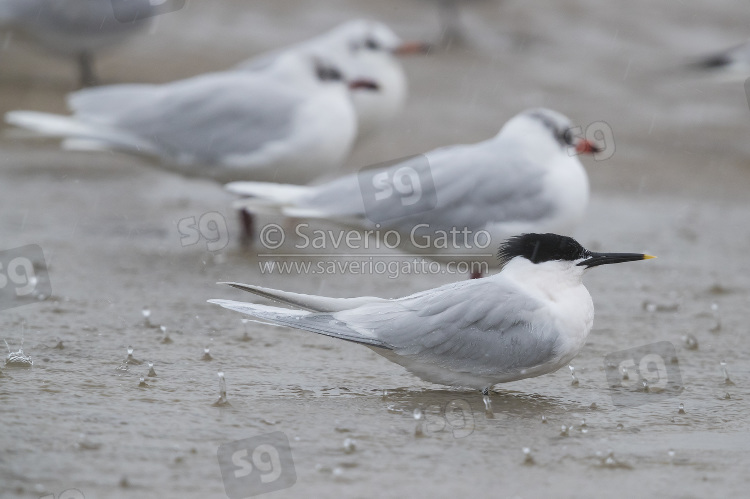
472 326
207 118
460 186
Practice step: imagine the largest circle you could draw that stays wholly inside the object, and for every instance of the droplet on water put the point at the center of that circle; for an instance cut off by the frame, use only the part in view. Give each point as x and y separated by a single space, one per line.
350 445
625 375
544 419
143 382
222 391
130 350
418 432
564 431
574 381
207 354
620 426
727 380
417 414
717 318
146 312
691 342
527 457
151 372
681 410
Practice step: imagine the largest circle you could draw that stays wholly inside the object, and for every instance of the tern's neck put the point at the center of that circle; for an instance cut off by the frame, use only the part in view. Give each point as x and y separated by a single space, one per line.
549 278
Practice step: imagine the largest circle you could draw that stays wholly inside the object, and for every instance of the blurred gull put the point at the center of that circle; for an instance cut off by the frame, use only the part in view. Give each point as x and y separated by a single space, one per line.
287 125
530 319
525 179
75 28
362 49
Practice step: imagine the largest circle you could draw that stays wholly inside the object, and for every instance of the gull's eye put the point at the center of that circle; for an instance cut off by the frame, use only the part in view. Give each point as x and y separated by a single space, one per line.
568 137
372 44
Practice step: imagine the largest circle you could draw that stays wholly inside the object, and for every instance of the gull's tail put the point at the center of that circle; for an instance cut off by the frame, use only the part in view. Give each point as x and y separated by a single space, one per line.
267 197
76 134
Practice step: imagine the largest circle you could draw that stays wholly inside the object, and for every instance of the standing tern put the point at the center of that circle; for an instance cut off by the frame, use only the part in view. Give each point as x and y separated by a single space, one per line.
525 179
362 49
532 318
76 28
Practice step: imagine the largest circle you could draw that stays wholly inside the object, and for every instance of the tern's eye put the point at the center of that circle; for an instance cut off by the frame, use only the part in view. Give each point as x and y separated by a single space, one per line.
372 44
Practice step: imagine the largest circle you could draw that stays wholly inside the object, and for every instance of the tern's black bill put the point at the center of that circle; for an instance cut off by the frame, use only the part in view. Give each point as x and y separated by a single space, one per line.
596 259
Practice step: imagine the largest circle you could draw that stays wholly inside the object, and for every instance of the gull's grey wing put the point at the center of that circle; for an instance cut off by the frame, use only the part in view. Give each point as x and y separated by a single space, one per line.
479 326
205 118
473 185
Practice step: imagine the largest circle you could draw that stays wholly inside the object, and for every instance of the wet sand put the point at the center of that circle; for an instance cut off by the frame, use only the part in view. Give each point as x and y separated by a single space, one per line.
107 223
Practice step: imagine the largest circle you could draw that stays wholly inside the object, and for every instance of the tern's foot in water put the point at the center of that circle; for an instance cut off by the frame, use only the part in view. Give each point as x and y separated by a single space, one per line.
86 70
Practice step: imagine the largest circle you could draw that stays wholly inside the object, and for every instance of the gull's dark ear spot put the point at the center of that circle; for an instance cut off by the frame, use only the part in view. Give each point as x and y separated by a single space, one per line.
539 248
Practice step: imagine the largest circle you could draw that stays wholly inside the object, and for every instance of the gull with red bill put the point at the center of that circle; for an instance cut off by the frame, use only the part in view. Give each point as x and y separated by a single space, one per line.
525 179
291 124
362 49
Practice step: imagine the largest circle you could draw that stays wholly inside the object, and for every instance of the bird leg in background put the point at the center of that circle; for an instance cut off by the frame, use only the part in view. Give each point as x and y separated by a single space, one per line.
450 23
475 275
86 69
247 224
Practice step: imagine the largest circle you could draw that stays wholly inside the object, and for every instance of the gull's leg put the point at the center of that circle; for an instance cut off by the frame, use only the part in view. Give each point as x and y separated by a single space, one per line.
247 223
86 69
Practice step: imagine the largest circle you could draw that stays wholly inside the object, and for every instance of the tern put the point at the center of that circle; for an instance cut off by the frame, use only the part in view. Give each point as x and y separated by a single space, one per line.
526 179
530 319
731 64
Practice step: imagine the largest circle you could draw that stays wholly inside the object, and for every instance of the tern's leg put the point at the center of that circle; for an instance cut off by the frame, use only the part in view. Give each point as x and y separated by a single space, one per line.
86 69
475 275
247 222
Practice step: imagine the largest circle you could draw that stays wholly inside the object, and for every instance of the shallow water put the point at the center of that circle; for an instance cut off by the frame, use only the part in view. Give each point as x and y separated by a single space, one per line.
675 187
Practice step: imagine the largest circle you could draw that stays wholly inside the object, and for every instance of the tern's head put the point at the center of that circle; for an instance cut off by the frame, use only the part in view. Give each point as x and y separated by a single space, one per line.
545 129
559 252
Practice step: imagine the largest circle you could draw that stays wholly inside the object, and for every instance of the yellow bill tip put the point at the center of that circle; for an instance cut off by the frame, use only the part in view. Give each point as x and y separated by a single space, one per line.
648 257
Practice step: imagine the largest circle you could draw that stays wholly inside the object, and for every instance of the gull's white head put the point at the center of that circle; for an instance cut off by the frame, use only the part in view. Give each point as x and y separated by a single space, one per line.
545 131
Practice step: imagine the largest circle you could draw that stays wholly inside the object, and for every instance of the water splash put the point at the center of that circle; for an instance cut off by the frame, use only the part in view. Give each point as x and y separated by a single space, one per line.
132 360
17 359
143 383
418 431
574 381
564 431
488 406
207 354
385 394
350 445
528 459
222 391
681 410
620 426
146 313
151 372
625 375
691 342
584 427
717 318
644 385
245 335
727 380
671 455
544 419
166 340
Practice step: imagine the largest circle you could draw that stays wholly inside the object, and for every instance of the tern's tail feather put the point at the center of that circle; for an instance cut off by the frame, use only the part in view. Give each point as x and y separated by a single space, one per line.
67 127
307 302
320 323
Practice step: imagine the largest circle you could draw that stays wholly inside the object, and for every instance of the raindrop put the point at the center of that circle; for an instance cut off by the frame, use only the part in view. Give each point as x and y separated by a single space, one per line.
610 461
151 372
544 419
563 431
620 426
418 432
338 472
385 394
625 375
644 384
17 359
593 406
681 410
727 380
727 396
670 453
207 354
691 342
584 426
717 318
574 381
146 313
142 384
350 445
245 335
163 329
130 360
488 407
417 414
527 457
222 391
